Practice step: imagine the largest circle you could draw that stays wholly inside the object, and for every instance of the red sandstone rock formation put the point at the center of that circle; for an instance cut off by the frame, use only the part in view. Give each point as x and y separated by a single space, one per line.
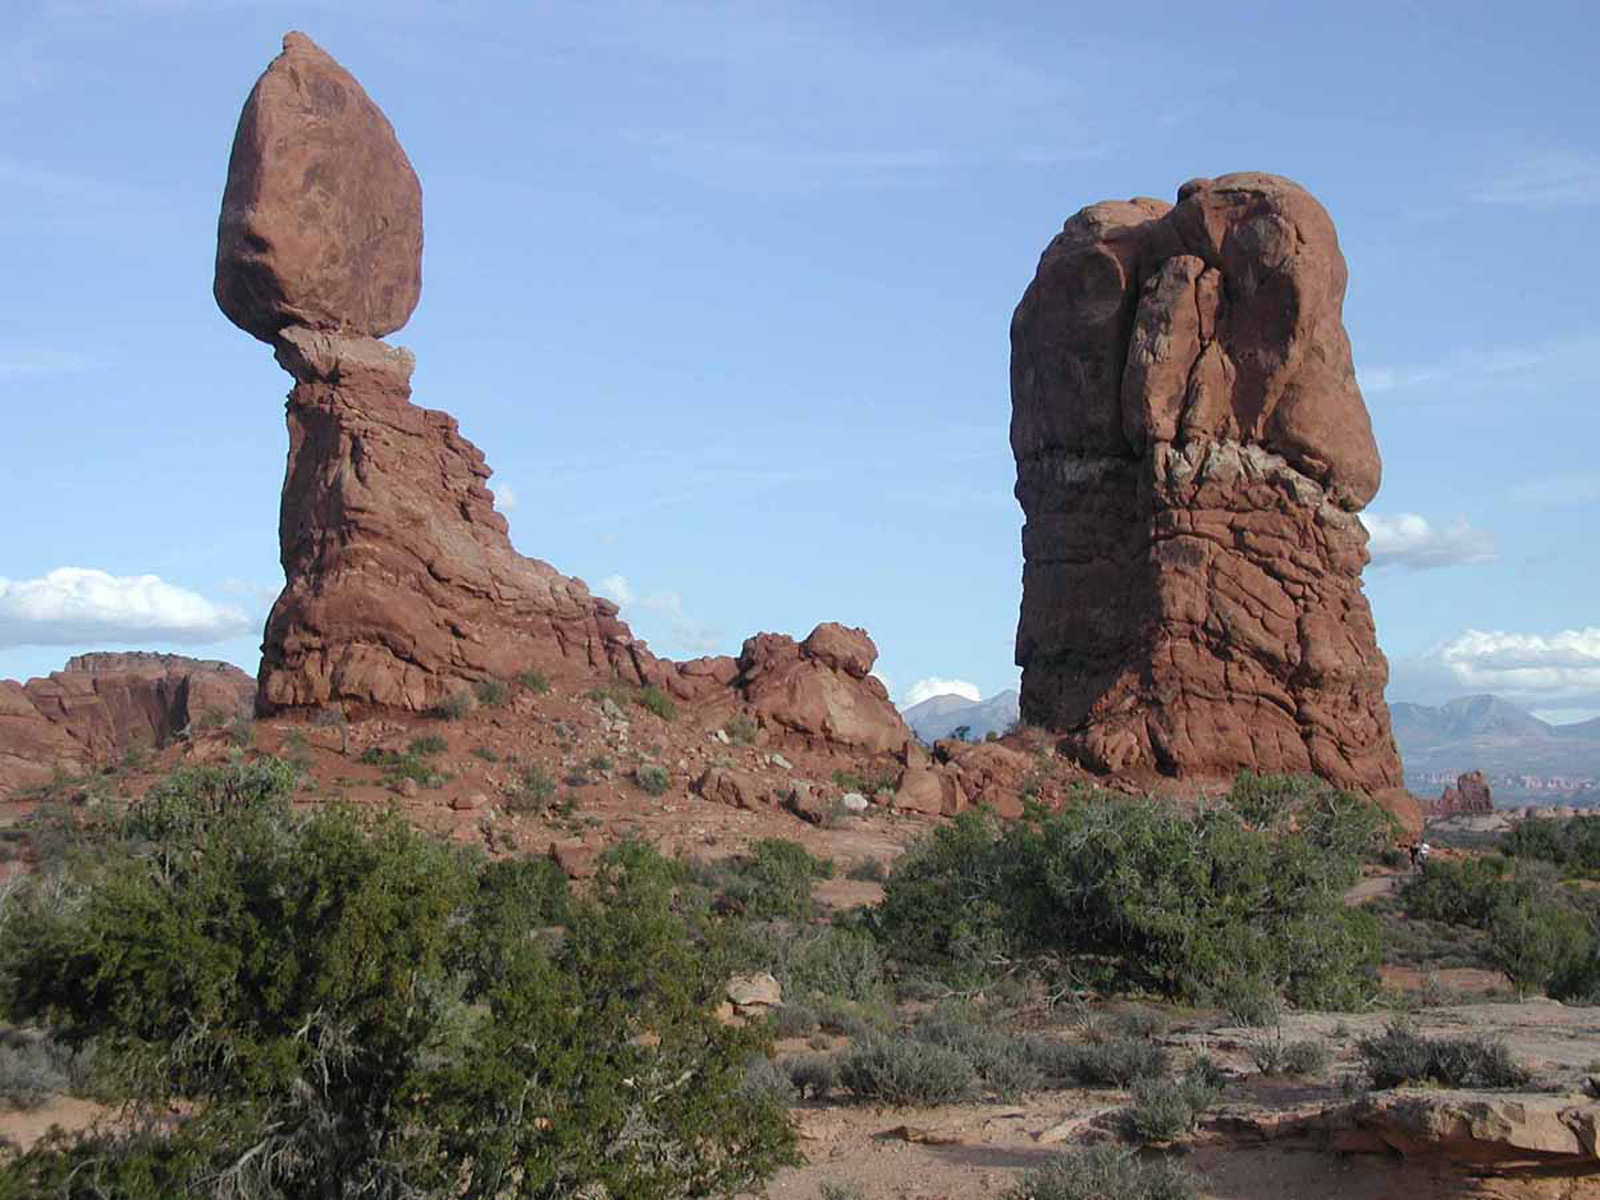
1470 794
1192 451
99 705
403 588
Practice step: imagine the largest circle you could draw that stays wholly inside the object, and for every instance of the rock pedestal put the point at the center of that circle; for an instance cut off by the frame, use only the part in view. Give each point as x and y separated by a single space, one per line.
1192 451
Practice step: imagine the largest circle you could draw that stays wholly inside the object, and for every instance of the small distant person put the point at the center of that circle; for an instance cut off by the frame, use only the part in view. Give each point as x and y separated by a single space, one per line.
1422 856
1415 850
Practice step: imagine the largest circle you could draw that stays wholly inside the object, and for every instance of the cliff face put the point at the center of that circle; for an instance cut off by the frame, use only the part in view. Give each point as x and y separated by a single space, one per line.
1192 451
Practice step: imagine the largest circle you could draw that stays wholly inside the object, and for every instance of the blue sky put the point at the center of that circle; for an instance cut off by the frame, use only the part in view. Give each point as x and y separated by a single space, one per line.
723 293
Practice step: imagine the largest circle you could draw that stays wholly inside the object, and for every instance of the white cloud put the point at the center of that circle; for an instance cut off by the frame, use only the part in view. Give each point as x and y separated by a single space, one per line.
1411 540
1552 179
77 605
1562 666
926 689
688 635
505 498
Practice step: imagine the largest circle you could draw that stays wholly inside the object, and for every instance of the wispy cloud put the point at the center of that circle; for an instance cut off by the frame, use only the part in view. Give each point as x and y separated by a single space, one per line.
1558 666
21 360
1559 490
80 605
1549 179
1412 540
686 634
1485 366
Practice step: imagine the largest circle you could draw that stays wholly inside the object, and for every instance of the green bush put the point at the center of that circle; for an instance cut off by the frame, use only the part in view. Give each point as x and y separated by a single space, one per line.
349 1007
868 870
31 1070
767 1080
1401 1056
1118 1063
656 701
534 681
490 693
652 778
1538 943
772 881
1000 1061
1462 891
1573 844
428 744
903 1073
533 792
1307 1059
1106 1173
1138 895
1163 1110
814 1075
794 1020
741 730
452 707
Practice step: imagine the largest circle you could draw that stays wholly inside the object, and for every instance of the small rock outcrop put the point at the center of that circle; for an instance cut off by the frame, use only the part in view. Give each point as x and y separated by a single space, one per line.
1489 1129
821 692
1192 452
1469 795
100 705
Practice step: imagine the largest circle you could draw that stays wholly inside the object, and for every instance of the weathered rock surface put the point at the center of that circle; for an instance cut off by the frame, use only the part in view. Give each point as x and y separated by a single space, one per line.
1490 1128
321 222
819 692
100 705
1469 796
403 587
1192 451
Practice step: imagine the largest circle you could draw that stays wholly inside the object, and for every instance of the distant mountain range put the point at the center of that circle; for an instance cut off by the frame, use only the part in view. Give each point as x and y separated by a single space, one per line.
1524 757
940 716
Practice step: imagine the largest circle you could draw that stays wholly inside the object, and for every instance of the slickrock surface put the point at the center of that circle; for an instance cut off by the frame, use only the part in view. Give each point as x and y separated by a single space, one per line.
99 705
1192 451
322 215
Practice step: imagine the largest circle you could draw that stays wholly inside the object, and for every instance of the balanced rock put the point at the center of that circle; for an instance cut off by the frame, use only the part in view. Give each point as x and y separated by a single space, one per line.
1192 451
100 705
321 220
820 691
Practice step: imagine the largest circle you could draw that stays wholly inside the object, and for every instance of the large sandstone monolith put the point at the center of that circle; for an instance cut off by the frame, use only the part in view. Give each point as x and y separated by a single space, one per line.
1192 451
402 584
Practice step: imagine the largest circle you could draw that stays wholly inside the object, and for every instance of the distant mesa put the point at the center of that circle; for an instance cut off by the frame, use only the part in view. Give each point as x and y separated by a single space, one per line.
1470 795
102 705
1527 760
1192 451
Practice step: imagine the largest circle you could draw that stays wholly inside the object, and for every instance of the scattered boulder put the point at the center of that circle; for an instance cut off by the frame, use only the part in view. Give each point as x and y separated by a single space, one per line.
735 788
1192 453
576 858
751 992
819 692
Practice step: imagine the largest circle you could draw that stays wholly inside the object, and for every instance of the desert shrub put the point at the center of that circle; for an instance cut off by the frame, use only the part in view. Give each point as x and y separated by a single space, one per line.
241 733
1250 1001
1538 943
655 700
841 963
490 693
534 681
652 778
772 881
1462 891
32 1069
841 1191
852 1018
794 1020
1208 1071
1165 1109
1105 1172
901 1072
487 753
430 743
1307 1058
533 792
1400 1055
868 870
741 730
1572 844
1142 1022
1138 895
452 707
350 1007
999 1060
814 1075
868 784
768 1080
1119 1063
